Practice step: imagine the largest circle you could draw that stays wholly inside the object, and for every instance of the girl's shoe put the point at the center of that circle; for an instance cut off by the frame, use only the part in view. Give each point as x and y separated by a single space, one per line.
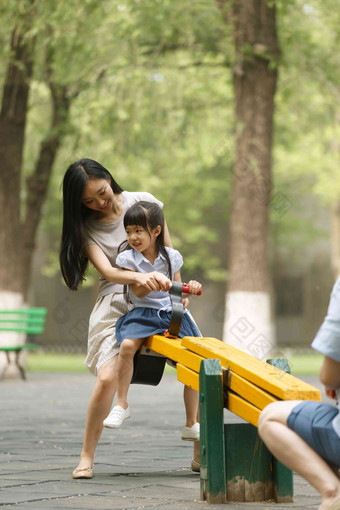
116 417
195 466
191 433
83 473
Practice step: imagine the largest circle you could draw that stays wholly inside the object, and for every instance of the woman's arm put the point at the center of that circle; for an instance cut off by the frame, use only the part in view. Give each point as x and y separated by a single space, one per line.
330 373
167 239
149 281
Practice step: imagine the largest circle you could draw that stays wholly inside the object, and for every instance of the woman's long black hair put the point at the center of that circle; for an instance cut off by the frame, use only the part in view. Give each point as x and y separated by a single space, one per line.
73 262
147 215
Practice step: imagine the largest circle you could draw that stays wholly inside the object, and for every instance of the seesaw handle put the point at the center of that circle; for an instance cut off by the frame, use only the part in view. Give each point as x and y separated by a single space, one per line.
185 289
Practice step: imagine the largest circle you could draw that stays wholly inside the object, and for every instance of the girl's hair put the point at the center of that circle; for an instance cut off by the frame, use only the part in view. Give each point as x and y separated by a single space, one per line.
147 215
73 262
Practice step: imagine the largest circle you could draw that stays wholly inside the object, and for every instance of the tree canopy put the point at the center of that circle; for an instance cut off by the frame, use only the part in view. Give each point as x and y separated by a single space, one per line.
150 94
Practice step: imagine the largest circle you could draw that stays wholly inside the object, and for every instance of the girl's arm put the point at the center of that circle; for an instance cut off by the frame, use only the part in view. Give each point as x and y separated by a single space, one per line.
148 281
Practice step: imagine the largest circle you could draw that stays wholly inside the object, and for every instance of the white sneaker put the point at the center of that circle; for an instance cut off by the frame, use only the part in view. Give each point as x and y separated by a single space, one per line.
191 433
116 417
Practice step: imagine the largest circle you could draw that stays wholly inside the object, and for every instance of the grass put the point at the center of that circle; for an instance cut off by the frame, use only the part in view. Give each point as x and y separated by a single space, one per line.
305 364
52 362
300 364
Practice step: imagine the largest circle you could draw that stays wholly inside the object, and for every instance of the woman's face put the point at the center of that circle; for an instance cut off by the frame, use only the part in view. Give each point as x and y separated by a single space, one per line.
98 195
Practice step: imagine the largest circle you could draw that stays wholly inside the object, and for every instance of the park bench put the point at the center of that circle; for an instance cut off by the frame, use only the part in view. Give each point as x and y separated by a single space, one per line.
28 321
235 463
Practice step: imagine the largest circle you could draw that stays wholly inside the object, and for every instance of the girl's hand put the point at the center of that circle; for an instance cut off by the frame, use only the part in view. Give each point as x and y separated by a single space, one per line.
154 281
164 283
185 302
194 287
148 281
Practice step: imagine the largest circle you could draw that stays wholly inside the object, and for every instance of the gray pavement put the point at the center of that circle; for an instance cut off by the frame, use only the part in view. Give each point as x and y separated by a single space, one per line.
143 465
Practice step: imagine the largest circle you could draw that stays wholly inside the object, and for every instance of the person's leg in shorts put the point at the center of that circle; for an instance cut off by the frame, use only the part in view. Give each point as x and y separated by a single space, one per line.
290 449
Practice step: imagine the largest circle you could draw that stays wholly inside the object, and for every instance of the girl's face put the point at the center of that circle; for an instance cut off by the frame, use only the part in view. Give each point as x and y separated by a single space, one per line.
140 239
98 195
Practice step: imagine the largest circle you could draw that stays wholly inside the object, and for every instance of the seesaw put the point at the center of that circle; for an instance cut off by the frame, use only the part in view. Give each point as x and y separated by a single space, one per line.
235 464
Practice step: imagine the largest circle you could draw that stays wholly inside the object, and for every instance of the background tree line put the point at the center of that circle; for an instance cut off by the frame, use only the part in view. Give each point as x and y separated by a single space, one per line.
148 89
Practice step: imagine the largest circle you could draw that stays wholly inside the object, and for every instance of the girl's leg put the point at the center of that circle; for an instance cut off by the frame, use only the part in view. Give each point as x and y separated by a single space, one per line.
191 430
98 408
127 351
295 453
191 405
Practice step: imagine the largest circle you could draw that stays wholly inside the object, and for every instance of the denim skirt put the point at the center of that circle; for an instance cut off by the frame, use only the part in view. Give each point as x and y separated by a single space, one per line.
144 322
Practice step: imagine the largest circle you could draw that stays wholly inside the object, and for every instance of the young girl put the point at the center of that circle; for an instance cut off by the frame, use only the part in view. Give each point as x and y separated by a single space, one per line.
145 252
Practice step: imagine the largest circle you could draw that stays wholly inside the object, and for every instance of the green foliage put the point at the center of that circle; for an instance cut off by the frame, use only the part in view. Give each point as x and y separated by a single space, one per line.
306 149
307 121
151 96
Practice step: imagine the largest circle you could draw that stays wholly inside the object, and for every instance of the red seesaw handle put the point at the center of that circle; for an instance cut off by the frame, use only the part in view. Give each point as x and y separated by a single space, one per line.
185 289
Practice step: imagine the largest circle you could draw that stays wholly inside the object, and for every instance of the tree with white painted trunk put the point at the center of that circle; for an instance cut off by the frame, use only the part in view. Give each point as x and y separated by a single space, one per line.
248 323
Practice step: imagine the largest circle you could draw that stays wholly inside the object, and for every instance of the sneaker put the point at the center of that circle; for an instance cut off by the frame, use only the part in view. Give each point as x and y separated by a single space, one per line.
191 434
116 417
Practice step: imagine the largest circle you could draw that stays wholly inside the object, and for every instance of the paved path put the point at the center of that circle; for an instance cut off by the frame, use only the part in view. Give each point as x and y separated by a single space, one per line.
144 465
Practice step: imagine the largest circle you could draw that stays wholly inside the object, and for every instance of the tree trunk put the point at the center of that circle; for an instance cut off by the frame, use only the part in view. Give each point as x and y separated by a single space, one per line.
12 130
248 323
335 239
38 182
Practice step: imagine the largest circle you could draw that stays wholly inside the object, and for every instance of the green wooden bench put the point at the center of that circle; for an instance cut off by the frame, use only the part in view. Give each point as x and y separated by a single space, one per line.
29 321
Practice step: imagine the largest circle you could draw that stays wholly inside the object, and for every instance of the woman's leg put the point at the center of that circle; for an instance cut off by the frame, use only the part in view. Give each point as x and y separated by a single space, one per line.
98 408
295 453
127 351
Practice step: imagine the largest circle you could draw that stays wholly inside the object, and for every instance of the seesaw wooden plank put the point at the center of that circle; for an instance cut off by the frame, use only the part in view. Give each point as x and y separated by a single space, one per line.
249 392
188 377
243 409
263 375
172 349
236 404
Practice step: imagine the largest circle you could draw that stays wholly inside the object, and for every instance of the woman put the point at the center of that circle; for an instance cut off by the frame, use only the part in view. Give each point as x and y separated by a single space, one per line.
93 210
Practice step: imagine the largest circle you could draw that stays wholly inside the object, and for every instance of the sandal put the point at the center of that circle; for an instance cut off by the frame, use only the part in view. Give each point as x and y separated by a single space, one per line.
83 473
195 466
